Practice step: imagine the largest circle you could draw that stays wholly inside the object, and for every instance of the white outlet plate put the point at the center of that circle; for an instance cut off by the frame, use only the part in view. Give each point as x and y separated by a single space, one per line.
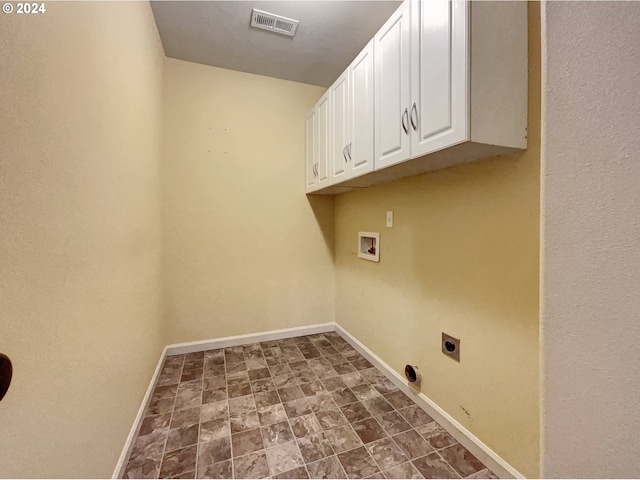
389 219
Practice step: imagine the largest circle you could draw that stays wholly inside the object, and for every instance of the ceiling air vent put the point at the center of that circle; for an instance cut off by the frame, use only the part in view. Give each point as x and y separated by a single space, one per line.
273 23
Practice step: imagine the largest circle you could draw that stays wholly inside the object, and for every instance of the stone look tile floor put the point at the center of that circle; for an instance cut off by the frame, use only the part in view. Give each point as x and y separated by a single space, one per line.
304 407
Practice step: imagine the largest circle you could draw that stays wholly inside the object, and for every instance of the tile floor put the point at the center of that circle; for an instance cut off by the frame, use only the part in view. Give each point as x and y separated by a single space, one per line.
304 407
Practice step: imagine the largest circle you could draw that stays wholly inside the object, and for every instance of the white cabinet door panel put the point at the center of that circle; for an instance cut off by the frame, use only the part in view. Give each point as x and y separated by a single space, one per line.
323 110
392 89
340 166
360 150
310 150
439 75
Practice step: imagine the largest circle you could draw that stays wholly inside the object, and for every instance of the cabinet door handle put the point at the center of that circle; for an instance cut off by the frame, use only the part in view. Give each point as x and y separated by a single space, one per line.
414 124
405 116
315 172
349 150
344 154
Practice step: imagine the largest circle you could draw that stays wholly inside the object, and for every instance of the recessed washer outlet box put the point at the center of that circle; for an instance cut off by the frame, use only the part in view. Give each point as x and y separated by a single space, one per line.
369 246
451 346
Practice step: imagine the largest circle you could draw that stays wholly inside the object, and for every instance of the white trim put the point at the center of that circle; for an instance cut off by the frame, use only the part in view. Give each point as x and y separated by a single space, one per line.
190 347
467 439
118 472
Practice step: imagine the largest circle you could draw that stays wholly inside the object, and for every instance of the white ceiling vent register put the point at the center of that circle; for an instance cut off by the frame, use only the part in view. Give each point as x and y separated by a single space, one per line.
273 23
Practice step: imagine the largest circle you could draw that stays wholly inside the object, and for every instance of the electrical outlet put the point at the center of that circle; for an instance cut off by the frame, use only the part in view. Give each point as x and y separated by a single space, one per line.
451 346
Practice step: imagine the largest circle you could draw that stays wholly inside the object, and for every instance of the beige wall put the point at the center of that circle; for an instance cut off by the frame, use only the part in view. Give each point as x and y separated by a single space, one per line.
80 108
461 258
591 240
245 251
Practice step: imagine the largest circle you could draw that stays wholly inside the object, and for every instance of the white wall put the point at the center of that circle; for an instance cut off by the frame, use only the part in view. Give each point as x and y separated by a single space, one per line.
590 333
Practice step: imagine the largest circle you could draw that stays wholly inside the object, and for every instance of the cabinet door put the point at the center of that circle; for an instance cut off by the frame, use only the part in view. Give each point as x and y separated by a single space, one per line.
360 149
311 150
323 111
438 114
392 89
340 166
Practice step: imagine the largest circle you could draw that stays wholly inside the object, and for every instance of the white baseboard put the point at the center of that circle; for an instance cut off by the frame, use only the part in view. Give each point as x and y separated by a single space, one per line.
225 342
118 472
472 443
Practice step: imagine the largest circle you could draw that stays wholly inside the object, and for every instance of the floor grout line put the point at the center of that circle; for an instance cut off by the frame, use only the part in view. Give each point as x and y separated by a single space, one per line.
199 422
175 400
445 461
295 439
226 380
253 395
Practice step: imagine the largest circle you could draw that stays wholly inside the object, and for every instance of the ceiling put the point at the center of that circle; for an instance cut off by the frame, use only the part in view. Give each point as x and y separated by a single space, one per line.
331 33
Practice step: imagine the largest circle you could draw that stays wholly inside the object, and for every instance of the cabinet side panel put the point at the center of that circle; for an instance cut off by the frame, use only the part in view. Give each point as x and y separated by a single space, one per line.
499 69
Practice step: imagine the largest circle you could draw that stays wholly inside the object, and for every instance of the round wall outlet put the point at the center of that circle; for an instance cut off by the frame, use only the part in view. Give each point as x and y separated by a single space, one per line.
412 373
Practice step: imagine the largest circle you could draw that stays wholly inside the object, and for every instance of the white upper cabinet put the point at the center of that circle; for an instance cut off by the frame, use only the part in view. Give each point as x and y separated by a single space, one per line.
443 82
438 112
360 149
341 125
318 144
393 88
466 81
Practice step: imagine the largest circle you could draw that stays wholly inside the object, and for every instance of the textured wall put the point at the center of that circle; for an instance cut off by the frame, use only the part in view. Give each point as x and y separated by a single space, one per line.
591 240
80 117
461 258
245 250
